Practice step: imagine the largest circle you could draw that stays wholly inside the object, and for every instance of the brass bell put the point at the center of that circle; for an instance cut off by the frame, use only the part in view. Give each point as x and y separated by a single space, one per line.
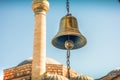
69 33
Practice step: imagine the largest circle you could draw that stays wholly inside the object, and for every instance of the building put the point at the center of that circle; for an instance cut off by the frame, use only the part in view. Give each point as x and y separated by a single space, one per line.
113 75
23 70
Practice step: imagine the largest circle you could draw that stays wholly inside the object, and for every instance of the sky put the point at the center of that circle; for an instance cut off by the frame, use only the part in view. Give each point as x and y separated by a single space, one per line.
98 21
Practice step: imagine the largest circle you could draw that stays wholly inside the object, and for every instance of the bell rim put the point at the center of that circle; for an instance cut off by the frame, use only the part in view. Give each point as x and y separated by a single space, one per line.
80 36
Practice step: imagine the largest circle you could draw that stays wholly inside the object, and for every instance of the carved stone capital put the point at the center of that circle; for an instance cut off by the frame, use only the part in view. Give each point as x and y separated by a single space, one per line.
40 6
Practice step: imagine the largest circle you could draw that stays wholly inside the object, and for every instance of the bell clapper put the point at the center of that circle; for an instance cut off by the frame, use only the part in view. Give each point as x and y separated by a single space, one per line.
69 44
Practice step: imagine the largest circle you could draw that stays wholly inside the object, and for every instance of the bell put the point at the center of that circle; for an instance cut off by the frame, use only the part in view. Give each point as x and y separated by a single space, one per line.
69 36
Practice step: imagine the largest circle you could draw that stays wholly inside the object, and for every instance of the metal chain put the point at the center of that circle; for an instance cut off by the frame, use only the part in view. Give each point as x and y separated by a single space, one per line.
67 6
68 64
68 50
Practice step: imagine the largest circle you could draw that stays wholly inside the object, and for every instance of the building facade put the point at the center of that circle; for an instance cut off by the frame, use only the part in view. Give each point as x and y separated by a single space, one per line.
23 71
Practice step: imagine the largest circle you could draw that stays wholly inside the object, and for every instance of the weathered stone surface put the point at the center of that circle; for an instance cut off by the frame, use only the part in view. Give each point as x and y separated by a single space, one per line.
40 7
113 75
25 71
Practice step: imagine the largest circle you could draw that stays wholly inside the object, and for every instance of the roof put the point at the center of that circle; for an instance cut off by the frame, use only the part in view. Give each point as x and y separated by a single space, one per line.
48 76
82 77
55 77
115 71
29 61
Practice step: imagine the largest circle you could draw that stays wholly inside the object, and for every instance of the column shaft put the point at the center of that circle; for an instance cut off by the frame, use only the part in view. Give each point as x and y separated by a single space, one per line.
39 53
40 7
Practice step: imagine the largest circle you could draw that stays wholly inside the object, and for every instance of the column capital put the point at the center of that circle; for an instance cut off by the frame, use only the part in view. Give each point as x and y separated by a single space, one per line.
40 6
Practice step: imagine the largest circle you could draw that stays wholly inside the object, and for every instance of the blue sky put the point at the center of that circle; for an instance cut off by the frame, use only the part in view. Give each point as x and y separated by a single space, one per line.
98 20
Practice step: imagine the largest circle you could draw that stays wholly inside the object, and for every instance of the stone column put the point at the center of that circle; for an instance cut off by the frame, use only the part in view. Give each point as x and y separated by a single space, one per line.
40 7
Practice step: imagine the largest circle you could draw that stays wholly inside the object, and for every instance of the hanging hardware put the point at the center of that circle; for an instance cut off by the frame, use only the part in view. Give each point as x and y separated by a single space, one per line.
68 63
68 45
67 6
68 37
